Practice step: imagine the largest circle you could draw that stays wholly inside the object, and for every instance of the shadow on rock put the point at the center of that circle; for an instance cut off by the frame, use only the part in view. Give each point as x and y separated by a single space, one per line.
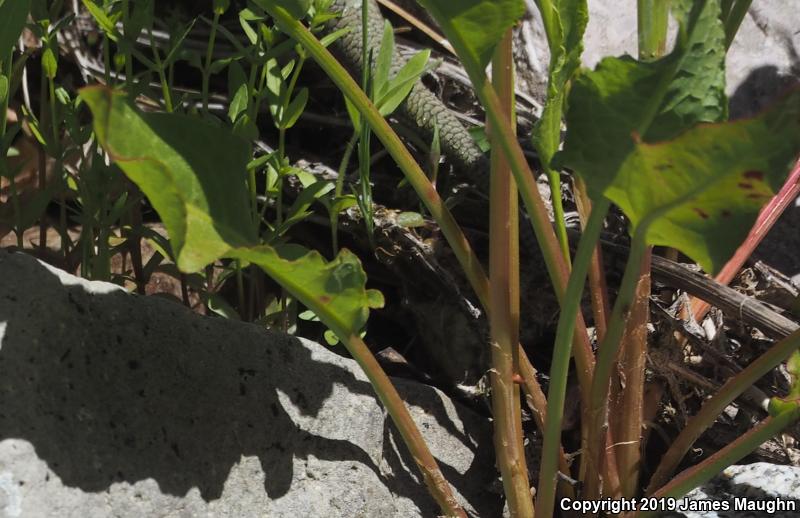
109 388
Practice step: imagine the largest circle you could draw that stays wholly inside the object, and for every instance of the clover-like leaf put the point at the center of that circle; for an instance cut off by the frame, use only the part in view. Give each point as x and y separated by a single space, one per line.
194 174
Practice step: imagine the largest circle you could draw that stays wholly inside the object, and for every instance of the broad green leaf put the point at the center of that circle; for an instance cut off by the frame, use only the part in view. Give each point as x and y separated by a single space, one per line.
335 291
13 15
702 191
475 27
606 109
565 38
697 91
623 98
192 172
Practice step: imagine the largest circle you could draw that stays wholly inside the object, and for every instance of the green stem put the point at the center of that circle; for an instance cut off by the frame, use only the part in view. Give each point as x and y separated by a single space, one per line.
418 180
652 16
607 353
713 407
209 55
504 300
7 65
128 58
165 90
556 395
364 140
734 19
57 167
554 260
730 454
394 146
337 193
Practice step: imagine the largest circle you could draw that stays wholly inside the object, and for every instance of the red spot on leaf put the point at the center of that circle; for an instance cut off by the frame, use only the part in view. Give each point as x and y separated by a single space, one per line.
754 175
745 185
325 299
756 196
700 212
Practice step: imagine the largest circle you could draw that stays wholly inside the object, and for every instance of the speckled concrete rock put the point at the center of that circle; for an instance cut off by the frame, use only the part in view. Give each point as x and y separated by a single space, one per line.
748 491
114 405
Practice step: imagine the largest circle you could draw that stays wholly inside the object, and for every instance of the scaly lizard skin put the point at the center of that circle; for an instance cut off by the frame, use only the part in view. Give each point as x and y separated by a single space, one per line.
421 109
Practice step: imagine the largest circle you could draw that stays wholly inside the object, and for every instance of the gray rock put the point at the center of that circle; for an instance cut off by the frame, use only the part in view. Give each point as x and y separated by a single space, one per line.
114 405
748 491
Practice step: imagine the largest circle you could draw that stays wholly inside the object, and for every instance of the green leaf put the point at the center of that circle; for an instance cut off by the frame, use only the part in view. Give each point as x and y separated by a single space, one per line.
220 306
383 64
410 219
330 337
295 109
49 62
335 291
702 191
623 98
566 45
401 85
300 208
106 23
353 113
3 88
475 27
297 8
239 102
13 15
193 173
697 91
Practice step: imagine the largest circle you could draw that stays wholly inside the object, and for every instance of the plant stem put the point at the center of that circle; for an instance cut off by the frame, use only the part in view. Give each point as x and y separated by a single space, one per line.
57 169
598 288
607 353
504 300
337 193
713 407
414 174
209 55
766 219
165 90
627 387
6 70
652 16
545 500
733 19
730 454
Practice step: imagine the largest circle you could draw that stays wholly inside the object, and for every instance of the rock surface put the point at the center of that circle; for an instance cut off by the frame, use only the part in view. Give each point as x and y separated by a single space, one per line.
761 489
117 405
